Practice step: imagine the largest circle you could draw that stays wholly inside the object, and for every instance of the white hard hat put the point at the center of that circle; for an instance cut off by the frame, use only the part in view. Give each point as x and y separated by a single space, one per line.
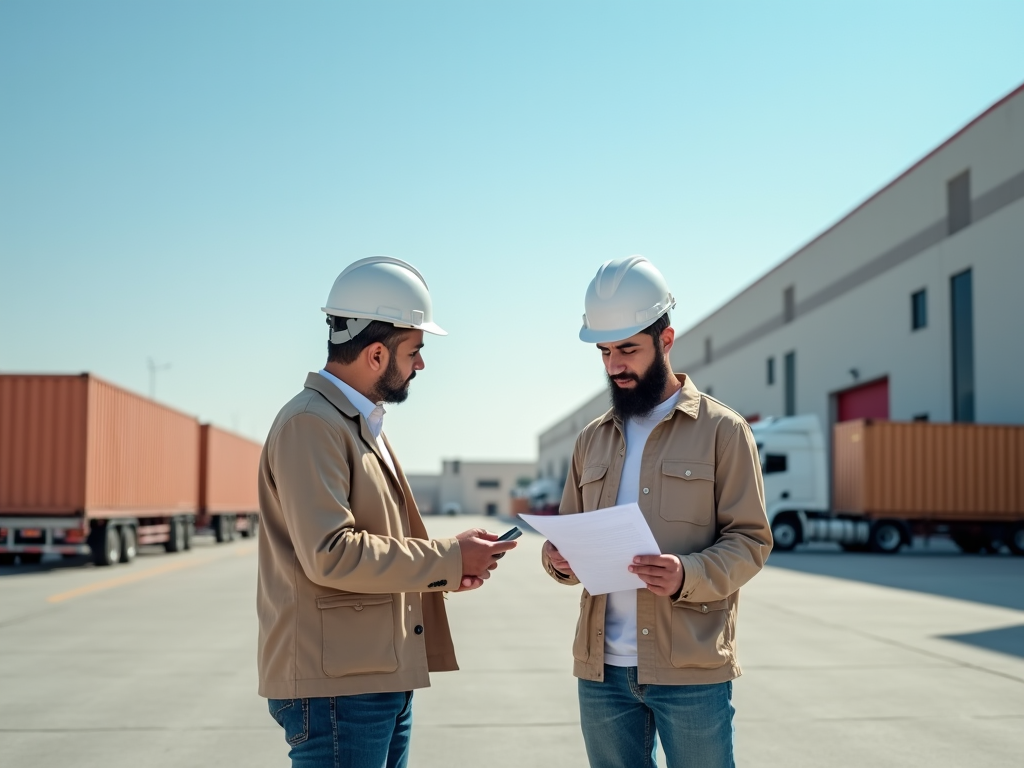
625 296
381 288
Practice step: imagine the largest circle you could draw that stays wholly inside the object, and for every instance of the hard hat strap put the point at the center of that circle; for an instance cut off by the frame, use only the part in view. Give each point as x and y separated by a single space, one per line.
353 326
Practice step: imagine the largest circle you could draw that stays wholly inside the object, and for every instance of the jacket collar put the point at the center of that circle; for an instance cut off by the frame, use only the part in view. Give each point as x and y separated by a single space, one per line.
688 403
337 398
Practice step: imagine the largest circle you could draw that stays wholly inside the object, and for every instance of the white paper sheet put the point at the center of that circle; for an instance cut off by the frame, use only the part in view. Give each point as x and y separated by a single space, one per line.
600 545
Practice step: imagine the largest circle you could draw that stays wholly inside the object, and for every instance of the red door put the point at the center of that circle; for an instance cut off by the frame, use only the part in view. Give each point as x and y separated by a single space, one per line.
868 401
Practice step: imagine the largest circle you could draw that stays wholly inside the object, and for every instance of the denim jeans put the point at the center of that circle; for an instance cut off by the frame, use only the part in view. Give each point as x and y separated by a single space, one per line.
370 730
619 718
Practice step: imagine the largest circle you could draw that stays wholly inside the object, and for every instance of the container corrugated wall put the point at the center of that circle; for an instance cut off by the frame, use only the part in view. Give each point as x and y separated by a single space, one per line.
142 455
42 444
74 443
230 466
929 471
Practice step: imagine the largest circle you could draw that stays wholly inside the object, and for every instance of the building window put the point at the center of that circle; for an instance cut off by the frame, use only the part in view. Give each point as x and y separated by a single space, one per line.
707 351
920 417
771 371
488 484
789 304
918 310
790 373
958 202
491 510
962 326
774 462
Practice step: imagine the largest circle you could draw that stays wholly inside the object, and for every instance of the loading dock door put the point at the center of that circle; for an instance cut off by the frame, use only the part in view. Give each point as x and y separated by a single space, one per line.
868 401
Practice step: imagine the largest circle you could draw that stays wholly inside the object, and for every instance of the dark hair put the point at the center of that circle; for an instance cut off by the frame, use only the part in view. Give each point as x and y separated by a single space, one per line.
375 332
654 329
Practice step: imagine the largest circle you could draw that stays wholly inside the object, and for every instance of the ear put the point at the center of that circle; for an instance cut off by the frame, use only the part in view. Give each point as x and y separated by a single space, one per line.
376 356
668 338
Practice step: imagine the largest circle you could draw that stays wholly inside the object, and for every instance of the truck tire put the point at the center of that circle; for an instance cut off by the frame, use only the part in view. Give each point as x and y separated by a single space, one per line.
1015 541
190 530
176 537
129 543
105 542
786 532
886 537
224 528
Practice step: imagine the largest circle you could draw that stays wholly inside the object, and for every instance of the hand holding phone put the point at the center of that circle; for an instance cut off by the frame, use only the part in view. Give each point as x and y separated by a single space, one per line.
509 535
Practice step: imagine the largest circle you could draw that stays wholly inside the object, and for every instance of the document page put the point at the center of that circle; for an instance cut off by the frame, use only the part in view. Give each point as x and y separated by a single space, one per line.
600 545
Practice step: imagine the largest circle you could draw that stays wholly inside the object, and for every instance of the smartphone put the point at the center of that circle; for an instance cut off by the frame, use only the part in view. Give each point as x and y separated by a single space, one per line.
509 535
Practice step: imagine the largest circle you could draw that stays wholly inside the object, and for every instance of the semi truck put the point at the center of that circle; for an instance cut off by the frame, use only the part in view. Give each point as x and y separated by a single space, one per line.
890 481
88 468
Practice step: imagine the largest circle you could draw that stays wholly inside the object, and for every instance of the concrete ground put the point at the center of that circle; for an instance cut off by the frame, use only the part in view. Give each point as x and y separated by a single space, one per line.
850 660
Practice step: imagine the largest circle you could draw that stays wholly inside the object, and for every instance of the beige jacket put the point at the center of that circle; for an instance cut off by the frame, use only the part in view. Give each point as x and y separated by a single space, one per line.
702 495
349 595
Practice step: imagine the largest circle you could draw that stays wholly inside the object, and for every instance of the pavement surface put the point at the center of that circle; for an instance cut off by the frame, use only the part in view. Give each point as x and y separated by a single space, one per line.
850 660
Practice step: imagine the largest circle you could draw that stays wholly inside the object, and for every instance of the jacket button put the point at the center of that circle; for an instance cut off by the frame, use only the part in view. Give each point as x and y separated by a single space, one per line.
645 631
359 607
703 609
687 473
647 490
419 629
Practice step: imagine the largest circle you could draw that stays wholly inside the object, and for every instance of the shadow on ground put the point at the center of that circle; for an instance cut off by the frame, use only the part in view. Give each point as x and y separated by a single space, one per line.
936 568
1009 640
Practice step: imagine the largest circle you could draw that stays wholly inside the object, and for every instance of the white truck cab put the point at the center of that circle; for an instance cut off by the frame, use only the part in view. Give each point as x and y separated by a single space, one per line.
796 485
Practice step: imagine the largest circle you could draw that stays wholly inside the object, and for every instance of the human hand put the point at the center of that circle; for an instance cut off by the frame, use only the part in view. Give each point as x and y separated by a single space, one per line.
469 583
479 548
558 562
663 574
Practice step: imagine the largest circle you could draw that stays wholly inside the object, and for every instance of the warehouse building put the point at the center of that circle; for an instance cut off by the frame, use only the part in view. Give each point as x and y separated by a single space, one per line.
908 308
472 487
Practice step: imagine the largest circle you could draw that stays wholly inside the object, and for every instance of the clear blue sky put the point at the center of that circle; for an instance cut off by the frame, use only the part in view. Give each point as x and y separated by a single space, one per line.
184 180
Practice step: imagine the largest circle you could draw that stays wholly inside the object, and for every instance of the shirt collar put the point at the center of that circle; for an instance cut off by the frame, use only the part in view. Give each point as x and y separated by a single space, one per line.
688 402
372 412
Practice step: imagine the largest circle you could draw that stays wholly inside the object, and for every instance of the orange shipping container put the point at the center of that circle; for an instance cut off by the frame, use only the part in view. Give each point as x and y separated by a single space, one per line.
918 470
77 444
229 467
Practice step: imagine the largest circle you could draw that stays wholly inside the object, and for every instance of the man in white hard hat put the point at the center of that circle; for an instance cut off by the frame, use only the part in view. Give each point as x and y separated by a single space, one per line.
350 593
661 659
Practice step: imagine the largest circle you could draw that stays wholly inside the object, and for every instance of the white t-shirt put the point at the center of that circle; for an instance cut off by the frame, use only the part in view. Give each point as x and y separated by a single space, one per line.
620 613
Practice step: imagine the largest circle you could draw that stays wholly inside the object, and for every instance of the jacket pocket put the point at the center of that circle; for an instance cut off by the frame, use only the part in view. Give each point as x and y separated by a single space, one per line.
702 635
591 485
687 491
358 634
581 645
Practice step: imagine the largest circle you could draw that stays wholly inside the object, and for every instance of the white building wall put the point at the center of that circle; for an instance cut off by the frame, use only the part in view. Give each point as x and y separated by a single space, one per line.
471 487
852 289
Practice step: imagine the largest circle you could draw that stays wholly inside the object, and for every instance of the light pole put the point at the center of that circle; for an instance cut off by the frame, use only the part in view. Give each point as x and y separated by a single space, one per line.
154 369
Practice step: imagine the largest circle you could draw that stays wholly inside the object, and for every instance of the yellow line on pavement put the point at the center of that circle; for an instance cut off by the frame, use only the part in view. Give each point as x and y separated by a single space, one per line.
131 578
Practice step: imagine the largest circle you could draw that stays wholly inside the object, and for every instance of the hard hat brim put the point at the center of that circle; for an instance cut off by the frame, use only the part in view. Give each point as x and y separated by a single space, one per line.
594 336
426 327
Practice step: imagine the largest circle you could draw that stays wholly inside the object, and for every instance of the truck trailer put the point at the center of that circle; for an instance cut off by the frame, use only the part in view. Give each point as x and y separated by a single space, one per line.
890 481
228 497
89 468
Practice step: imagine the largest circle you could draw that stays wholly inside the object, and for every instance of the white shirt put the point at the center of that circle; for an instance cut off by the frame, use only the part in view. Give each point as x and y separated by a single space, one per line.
620 612
372 412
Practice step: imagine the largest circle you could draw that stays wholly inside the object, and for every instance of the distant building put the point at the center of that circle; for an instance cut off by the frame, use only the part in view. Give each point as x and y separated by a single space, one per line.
907 308
472 487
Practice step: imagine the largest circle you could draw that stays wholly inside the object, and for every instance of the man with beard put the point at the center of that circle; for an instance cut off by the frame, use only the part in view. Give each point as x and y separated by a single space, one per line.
661 659
349 598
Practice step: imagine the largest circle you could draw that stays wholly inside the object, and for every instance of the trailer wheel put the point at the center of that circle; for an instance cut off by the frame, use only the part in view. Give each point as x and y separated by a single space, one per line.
6 558
190 529
1015 541
786 532
224 528
129 544
886 537
106 545
176 539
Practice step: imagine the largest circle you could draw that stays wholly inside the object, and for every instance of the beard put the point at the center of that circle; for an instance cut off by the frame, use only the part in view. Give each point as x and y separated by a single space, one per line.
642 399
391 387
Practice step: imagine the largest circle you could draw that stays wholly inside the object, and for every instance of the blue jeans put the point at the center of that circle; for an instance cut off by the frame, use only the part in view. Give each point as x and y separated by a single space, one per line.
620 717
370 730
